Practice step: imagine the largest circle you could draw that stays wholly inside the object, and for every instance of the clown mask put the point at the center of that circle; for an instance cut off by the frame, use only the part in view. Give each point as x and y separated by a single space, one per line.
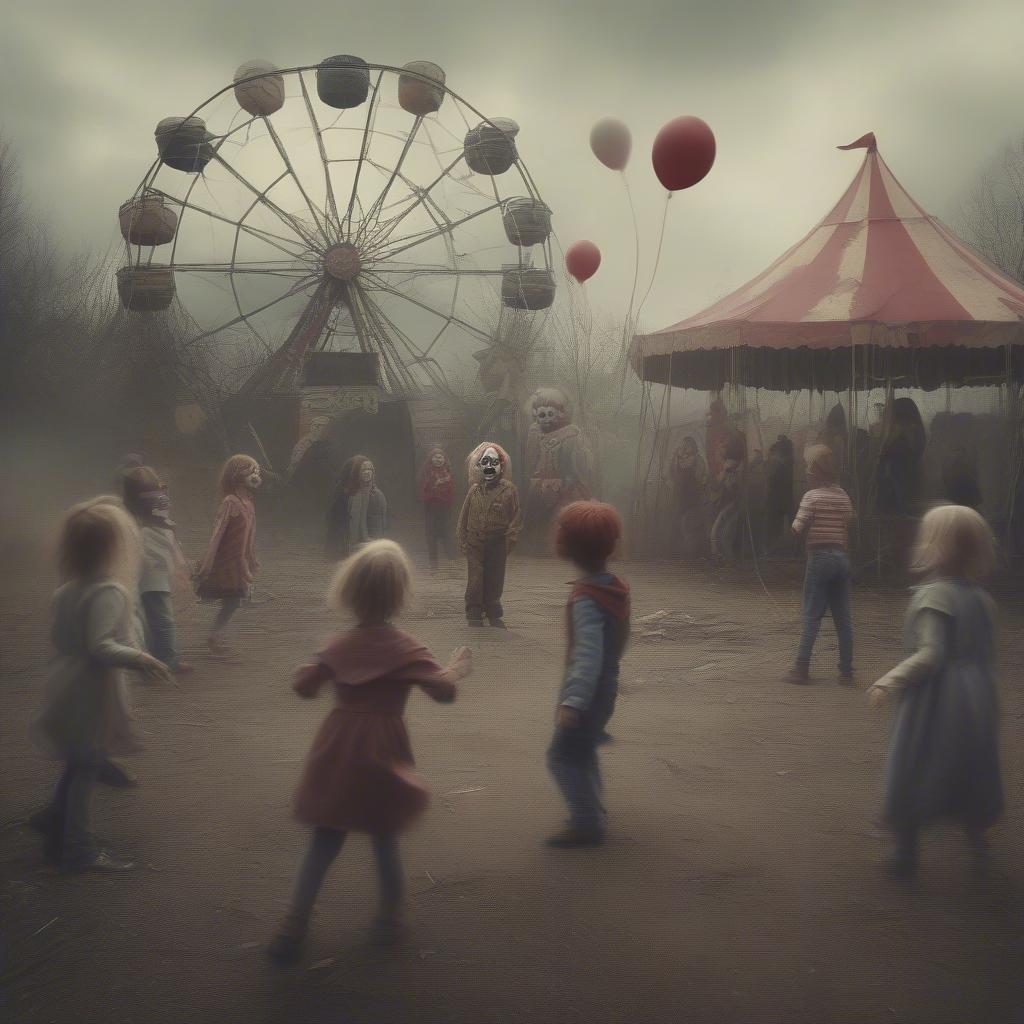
490 465
366 474
548 417
437 460
253 479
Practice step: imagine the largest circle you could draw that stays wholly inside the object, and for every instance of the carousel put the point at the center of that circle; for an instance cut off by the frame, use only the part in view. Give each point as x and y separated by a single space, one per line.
879 295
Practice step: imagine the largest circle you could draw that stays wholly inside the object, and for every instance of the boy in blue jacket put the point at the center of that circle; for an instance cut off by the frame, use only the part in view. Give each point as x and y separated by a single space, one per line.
587 534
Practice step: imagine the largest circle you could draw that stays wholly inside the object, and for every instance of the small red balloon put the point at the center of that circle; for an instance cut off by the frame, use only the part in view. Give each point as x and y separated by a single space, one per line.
582 260
683 153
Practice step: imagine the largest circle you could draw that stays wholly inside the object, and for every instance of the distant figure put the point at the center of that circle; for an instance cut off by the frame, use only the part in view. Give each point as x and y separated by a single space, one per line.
944 756
823 518
436 486
726 535
899 461
779 497
229 567
359 775
87 717
359 510
960 479
145 497
598 621
689 474
490 523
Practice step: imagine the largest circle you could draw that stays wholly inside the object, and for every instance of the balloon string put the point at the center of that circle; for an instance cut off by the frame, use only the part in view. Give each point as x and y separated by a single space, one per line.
627 327
657 258
636 251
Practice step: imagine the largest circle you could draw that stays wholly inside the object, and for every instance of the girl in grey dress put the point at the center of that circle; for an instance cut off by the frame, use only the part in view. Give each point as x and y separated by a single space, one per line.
944 756
87 716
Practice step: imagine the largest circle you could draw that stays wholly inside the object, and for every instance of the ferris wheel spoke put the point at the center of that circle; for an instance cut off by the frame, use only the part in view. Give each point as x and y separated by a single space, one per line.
450 317
412 270
363 150
283 153
371 339
378 203
269 203
332 205
422 196
293 291
428 236
389 333
240 268
277 241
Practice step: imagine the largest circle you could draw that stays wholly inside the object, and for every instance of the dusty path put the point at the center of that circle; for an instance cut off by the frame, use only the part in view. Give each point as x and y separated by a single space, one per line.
740 882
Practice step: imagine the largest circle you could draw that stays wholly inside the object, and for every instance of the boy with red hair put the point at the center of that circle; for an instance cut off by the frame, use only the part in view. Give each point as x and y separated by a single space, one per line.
587 534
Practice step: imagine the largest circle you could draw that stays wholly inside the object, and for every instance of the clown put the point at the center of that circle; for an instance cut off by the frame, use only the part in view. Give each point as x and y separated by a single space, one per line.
558 456
489 525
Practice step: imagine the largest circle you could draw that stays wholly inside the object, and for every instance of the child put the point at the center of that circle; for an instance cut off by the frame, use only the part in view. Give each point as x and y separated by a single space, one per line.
162 560
359 774
227 572
359 510
489 526
587 533
87 716
436 489
944 757
824 516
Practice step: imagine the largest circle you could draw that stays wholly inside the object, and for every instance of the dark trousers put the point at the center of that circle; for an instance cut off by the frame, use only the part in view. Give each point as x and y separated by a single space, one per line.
228 606
160 631
573 762
827 588
323 848
68 836
438 530
486 579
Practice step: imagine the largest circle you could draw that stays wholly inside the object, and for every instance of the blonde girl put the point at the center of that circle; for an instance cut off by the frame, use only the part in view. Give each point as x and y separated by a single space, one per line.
944 757
359 774
87 716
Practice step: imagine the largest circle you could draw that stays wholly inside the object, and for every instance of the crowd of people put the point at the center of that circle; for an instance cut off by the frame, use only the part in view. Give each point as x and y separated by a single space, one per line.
113 614
728 496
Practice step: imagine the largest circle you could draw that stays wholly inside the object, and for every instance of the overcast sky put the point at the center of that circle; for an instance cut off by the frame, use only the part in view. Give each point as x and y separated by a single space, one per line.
83 83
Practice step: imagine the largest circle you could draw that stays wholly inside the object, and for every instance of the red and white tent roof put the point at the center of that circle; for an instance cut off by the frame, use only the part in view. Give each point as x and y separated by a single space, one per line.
877 270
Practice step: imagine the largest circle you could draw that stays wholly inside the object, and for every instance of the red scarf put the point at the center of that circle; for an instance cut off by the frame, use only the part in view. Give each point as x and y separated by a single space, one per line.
612 597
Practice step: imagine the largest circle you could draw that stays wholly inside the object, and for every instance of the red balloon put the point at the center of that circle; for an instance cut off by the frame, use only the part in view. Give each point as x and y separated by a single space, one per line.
683 153
582 260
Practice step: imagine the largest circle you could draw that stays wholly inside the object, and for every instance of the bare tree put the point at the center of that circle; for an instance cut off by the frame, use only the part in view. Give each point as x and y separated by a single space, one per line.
991 218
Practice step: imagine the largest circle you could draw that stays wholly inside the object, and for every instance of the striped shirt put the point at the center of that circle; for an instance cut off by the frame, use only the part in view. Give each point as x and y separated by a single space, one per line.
825 514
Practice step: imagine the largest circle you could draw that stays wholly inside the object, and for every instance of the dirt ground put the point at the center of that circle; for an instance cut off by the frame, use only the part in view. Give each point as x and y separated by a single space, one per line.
740 881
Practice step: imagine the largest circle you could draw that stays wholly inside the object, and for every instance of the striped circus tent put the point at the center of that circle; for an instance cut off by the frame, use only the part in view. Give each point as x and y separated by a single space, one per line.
878 293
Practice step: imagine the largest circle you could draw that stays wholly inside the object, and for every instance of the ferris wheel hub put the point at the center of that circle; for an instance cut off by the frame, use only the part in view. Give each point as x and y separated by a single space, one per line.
343 262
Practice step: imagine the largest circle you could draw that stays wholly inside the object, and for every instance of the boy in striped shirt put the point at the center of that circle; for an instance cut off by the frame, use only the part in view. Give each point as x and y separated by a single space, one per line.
824 517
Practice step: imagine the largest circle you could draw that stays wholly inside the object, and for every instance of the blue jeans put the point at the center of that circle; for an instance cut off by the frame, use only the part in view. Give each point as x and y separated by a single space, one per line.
827 588
573 763
324 846
160 632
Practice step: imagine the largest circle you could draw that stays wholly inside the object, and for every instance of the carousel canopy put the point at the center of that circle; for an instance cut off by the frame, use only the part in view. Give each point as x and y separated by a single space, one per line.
879 292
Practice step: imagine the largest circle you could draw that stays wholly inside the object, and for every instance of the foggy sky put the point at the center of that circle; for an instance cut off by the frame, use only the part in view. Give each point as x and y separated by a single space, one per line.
83 83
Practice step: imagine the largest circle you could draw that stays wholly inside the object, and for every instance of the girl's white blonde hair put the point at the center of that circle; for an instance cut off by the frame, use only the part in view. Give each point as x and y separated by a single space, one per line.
954 541
375 582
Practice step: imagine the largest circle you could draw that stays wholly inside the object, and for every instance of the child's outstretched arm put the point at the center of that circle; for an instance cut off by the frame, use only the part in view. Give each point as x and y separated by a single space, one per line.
804 514
584 668
930 629
309 679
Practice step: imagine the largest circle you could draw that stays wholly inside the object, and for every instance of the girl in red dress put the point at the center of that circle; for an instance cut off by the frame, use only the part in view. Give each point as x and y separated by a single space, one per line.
436 491
227 572
359 774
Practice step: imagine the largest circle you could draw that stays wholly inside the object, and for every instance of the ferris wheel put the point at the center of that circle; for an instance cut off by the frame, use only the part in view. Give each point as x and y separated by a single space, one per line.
344 206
